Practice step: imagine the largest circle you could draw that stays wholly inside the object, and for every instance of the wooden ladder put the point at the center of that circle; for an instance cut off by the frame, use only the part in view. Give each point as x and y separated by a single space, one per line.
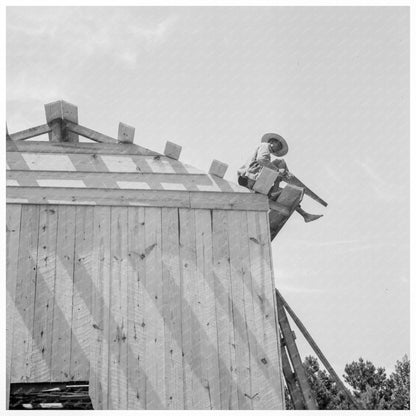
296 379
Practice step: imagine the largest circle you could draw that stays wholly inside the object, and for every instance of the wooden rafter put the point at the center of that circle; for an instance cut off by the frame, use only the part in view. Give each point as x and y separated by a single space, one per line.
29 133
88 133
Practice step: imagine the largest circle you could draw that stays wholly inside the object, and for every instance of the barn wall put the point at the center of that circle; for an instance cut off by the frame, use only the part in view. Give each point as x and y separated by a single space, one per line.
49 252
157 307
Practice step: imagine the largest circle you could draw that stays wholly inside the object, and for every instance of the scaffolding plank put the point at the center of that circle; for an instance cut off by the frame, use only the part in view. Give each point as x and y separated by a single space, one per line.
295 393
295 359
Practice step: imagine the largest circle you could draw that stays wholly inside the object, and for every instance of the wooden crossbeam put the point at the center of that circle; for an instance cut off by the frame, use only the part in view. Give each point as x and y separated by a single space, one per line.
89 133
135 197
29 133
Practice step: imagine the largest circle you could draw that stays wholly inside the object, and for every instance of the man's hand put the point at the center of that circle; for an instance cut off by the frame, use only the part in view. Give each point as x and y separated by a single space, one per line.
285 174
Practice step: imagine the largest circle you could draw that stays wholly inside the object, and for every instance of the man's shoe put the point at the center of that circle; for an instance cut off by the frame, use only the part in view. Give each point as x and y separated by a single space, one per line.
311 217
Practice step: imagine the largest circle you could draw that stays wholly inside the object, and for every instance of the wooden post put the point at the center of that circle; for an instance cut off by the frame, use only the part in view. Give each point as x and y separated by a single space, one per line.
218 168
172 150
70 113
56 112
53 112
125 133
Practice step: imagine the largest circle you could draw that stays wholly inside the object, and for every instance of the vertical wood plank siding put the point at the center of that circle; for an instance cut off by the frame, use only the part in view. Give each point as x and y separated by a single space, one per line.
23 337
64 289
44 302
158 308
13 214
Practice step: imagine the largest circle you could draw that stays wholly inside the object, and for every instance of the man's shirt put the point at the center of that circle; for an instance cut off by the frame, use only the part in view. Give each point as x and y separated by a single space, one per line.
261 157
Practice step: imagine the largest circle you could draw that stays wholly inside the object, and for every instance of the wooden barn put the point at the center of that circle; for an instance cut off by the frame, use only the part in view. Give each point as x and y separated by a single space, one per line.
128 271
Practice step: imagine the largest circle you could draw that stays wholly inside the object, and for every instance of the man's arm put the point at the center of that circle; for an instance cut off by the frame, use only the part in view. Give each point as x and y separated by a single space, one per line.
263 157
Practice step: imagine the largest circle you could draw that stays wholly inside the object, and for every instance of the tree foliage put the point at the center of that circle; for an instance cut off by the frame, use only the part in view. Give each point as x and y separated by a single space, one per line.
370 386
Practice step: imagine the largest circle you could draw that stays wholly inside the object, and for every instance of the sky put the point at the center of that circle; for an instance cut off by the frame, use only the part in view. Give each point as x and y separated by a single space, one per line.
333 81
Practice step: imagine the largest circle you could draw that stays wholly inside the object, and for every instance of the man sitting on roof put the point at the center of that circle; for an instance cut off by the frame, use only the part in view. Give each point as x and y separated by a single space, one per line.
271 144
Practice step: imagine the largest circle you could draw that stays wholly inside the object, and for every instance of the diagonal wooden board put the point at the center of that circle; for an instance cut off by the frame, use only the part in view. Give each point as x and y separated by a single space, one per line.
288 200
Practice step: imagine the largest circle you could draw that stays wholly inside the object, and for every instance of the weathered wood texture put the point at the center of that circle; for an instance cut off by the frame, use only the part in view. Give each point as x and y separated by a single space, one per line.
36 176
159 308
82 147
13 214
30 133
131 197
56 112
49 278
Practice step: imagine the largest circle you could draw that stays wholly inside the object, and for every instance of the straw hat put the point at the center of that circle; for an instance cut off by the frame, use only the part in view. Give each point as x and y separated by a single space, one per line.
273 136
